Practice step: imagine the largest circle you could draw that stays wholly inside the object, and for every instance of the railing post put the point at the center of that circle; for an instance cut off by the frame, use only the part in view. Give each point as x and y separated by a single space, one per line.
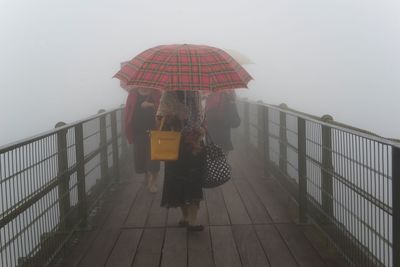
302 166
124 142
80 171
282 141
115 152
63 177
103 147
396 205
260 130
266 139
246 122
327 168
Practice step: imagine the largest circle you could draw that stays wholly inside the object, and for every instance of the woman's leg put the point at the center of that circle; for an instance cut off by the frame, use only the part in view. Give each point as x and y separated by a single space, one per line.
153 188
185 215
193 211
147 180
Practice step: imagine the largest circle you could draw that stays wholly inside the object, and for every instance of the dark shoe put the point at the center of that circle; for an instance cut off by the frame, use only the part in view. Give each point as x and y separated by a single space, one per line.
195 228
183 223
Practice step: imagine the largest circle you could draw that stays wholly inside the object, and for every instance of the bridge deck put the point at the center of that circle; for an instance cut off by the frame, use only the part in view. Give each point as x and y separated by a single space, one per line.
250 221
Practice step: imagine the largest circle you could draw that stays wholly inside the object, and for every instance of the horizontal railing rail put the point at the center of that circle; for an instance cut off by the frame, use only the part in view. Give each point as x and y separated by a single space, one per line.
51 182
346 180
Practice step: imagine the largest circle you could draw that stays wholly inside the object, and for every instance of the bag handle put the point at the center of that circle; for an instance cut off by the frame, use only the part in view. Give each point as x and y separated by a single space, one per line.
162 123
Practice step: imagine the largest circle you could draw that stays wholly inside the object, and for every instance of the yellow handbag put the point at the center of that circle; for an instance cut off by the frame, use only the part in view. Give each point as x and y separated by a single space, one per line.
164 144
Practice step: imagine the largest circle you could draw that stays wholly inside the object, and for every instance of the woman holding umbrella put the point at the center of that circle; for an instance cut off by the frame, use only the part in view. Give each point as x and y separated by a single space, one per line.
181 72
182 111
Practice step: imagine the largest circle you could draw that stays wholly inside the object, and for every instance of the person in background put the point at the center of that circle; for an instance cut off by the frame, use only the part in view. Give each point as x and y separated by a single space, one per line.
221 117
182 111
140 111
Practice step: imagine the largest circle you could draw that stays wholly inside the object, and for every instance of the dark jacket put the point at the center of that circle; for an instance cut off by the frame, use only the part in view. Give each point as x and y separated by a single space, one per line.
130 111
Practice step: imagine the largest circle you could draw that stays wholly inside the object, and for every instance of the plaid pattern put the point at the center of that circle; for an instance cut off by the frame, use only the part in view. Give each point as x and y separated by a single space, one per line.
183 67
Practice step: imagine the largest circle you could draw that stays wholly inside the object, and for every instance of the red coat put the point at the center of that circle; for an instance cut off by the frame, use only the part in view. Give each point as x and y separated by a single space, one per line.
130 110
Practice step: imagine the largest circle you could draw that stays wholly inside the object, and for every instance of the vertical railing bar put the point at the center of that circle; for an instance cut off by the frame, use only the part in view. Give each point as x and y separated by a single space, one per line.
283 143
375 188
388 191
22 192
64 178
368 186
17 198
340 168
377 185
44 230
266 140
81 179
346 193
373 219
368 208
363 238
396 206
115 152
348 174
302 169
49 170
103 148
358 217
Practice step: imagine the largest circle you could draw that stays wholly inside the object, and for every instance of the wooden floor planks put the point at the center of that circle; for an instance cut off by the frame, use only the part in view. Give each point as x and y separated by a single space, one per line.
247 223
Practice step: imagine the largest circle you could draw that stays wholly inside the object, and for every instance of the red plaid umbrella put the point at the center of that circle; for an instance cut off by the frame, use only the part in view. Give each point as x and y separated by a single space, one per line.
183 67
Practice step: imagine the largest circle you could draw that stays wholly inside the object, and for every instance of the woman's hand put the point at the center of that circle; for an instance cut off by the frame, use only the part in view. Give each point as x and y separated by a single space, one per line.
147 104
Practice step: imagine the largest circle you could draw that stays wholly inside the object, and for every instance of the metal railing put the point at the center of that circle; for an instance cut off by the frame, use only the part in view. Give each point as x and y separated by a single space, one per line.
345 180
50 183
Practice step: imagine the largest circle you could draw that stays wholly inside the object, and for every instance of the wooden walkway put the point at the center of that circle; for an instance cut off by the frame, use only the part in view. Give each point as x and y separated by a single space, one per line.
250 221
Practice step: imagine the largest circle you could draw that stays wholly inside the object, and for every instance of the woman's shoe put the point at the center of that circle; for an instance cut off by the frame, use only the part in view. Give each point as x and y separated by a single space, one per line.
195 228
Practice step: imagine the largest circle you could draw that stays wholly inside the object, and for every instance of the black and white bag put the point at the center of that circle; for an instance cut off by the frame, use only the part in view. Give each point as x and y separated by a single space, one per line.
217 170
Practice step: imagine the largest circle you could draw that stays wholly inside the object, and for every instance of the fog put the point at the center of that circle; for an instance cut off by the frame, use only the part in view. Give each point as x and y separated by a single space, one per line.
322 57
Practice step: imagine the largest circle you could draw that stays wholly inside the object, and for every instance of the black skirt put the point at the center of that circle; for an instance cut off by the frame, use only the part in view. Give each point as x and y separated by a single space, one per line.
141 150
182 182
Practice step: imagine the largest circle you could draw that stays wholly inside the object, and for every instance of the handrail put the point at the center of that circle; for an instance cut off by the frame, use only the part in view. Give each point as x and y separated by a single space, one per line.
331 124
24 141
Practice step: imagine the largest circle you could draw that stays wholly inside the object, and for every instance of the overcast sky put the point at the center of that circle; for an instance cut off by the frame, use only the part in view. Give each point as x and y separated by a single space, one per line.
338 57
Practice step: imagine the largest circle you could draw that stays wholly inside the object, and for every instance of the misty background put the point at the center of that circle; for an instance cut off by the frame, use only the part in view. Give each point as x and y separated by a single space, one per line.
336 57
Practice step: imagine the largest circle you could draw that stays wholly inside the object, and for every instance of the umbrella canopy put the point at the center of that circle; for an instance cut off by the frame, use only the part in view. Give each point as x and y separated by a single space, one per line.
183 67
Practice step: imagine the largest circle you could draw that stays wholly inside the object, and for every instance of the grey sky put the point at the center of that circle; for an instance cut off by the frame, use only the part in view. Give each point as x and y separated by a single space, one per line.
339 57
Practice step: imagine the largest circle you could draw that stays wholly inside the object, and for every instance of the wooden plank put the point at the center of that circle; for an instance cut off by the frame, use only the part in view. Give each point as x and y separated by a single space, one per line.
100 249
274 246
140 209
224 248
157 214
149 252
125 249
199 249
300 247
109 231
234 204
255 208
217 213
325 249
175 248
267 191
250 250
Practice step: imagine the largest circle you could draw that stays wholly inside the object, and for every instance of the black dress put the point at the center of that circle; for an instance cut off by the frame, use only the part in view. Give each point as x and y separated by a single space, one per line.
144 121
182 181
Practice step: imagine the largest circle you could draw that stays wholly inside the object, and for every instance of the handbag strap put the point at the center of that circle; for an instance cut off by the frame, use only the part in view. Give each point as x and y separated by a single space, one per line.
162 123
